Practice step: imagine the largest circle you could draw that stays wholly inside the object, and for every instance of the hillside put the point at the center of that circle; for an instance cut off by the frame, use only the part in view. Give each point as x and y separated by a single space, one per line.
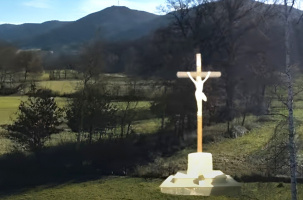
14 33
113 23
122 25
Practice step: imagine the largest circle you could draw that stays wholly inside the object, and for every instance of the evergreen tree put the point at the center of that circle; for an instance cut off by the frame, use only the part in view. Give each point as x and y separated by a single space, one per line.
38 118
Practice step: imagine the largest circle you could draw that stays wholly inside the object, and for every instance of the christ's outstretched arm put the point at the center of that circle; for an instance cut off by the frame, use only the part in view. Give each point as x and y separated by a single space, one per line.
207 76
191 78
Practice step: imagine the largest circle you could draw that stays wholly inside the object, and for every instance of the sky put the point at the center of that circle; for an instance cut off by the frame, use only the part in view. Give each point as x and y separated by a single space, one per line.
38 11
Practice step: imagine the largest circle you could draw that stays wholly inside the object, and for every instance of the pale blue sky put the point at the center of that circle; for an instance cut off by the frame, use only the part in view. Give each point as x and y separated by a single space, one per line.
37 11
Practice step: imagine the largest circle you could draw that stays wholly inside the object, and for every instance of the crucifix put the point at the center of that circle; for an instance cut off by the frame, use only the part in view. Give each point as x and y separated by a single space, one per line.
199 93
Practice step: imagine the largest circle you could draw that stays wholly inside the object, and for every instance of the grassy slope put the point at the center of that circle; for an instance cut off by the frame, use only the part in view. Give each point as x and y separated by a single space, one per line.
229 155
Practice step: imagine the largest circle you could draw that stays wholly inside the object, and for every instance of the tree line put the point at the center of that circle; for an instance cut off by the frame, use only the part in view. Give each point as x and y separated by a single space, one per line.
15 67
233 36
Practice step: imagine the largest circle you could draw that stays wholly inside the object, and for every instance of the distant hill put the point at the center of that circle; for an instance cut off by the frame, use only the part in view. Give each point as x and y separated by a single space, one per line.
118 23
114 23
14 33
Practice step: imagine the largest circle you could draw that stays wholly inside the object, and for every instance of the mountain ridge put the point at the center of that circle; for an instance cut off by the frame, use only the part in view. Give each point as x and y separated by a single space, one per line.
108 24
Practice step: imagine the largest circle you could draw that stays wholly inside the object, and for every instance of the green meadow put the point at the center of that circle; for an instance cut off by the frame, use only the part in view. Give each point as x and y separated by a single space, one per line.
60 86
118 188
8 107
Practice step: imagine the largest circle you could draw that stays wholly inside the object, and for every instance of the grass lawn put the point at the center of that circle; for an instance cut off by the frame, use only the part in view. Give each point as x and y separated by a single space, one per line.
115 188
8 107
61 86
140 105
147 126
246 144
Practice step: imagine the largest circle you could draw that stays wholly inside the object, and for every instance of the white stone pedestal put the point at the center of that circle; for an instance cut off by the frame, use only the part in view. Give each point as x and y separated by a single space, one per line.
200 179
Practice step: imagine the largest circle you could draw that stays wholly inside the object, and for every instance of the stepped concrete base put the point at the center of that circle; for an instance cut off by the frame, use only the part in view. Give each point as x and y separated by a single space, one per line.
200 179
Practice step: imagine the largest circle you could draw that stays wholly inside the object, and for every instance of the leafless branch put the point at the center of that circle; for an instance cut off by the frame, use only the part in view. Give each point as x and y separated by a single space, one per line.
298 92
300 19
280 97
292 5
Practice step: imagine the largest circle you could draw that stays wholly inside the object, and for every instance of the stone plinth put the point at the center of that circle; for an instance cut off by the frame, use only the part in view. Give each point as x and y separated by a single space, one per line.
199 163
200 179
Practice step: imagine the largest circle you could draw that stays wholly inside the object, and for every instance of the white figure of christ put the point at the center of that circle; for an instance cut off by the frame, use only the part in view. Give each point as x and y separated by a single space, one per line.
199 89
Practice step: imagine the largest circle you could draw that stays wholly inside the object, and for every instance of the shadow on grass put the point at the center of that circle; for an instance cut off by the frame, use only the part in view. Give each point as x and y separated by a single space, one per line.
72 162
265 179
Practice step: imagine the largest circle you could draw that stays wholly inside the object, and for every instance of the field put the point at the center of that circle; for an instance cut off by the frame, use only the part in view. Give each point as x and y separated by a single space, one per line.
8 107
61 86
230 156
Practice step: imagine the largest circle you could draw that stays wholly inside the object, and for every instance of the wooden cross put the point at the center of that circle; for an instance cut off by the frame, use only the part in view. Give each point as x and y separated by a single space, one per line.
199 93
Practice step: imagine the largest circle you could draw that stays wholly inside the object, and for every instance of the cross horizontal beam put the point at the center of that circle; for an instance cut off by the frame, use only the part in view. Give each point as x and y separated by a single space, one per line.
201 74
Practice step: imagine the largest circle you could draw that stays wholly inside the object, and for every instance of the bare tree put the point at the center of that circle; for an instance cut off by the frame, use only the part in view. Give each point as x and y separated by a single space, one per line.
218 29
29 62
287 82
288 6
7 55
93 111
127 109
91 64
66 62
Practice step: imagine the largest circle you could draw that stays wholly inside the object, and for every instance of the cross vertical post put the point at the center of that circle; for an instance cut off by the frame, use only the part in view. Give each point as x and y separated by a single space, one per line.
199 93
199 113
